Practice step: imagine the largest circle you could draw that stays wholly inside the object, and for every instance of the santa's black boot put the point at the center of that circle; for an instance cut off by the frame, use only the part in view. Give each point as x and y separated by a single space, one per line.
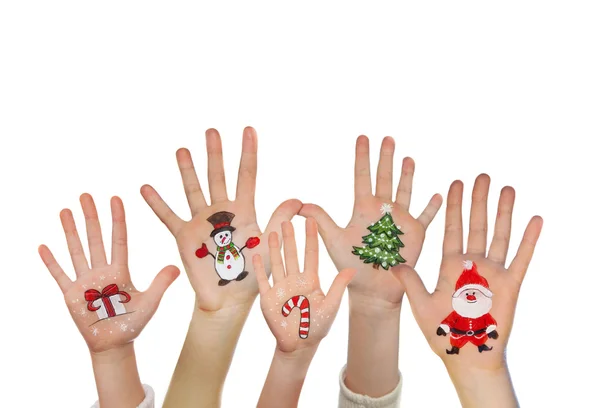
454 350
241 276
483 347
223 282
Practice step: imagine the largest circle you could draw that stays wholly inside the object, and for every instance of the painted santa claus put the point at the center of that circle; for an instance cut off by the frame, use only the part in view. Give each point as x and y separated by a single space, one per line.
470 321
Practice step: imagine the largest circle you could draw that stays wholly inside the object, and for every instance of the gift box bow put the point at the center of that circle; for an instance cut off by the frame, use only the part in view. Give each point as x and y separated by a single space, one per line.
91 295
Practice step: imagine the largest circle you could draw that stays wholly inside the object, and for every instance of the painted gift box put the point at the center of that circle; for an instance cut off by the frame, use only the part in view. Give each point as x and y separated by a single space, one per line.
108 303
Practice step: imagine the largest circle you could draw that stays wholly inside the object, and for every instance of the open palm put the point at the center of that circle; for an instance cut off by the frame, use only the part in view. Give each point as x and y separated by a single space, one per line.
105 305
295 308
219 274
468 318
373 279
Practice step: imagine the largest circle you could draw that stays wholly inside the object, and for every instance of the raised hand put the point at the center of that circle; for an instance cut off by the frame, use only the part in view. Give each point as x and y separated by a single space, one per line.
467 320
381 234
215 244
295 308
105 305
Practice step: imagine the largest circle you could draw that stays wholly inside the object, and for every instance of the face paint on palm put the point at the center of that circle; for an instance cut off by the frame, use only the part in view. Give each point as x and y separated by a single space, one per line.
302 303
383 244
470 322
107 303
229 262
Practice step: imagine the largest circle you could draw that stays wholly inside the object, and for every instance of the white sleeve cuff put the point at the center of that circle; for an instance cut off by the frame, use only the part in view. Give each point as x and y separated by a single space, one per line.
148 401
348 399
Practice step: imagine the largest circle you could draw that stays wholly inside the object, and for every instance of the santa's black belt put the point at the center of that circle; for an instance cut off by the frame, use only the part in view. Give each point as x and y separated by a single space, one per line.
468 332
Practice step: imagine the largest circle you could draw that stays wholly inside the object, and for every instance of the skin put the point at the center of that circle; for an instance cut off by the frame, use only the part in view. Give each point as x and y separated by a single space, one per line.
375 295
481 379
293 354
110 341
220 311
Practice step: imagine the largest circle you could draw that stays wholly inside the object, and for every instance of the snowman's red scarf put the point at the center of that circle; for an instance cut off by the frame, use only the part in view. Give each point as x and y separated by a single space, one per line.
222 249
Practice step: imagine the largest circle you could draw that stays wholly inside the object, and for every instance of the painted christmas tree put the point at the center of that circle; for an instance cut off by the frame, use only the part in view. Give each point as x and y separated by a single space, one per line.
383 243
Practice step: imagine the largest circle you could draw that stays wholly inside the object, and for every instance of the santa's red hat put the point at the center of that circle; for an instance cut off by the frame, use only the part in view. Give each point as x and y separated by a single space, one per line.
471 279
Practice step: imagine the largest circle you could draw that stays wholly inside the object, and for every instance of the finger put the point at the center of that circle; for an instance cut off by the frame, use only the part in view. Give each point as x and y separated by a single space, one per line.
161 209
56 271
404 192
431 210
277 269
311 254
415 289
94 232
261 274
339 285
74 243
119 233
362 168
162 281
285 212
189 177
246 184
520 264
453 235
385 169
327 227
216 170
292 266
477 242
501 240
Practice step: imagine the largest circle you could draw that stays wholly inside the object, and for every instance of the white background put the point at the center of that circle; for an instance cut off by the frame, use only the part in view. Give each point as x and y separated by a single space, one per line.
97 96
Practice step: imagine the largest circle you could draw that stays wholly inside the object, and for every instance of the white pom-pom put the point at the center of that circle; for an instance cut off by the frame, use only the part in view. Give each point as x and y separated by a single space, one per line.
468 265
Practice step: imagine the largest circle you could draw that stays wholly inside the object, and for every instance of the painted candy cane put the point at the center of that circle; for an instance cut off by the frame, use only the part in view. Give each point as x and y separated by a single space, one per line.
301 303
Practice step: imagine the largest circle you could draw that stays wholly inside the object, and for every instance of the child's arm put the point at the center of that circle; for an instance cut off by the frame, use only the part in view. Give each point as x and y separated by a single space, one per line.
481 292
108 310
224 285
375 296
297 312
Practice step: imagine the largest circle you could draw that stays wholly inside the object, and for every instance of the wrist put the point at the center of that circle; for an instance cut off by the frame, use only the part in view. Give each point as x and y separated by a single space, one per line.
298 359
490 386
373 344
372 306
113 355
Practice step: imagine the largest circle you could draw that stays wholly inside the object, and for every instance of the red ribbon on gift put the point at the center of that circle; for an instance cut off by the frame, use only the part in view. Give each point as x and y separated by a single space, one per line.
91 295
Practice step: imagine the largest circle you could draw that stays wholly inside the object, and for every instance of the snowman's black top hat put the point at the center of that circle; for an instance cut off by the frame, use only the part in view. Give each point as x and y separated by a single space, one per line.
221 221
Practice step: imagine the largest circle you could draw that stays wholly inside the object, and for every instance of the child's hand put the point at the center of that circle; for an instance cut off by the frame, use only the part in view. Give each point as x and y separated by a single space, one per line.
468 318
382 234
216 243
108 310
295 308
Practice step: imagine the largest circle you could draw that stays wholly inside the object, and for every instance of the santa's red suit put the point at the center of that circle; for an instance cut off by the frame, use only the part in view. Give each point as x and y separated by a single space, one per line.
466 329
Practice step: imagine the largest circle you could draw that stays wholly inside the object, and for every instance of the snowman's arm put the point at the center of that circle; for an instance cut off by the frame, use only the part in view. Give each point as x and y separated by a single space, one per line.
251 243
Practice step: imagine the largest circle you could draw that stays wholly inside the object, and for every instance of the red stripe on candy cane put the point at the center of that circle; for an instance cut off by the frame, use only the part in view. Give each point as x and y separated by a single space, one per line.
301 303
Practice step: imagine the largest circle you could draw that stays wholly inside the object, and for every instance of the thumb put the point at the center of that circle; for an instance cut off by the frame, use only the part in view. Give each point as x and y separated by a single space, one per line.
338 287
285 212
162 281
415 289
327 227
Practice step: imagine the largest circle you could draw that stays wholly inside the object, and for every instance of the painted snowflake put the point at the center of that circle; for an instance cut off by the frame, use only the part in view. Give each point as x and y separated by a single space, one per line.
123 327
95 331
386 208
102 278
301 282
280 293
284 324
82 312
320 312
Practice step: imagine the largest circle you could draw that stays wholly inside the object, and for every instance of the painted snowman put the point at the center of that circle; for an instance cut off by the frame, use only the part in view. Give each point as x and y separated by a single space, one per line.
229 261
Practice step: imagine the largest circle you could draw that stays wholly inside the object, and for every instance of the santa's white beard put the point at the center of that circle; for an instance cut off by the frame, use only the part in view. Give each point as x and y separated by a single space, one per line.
472 310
